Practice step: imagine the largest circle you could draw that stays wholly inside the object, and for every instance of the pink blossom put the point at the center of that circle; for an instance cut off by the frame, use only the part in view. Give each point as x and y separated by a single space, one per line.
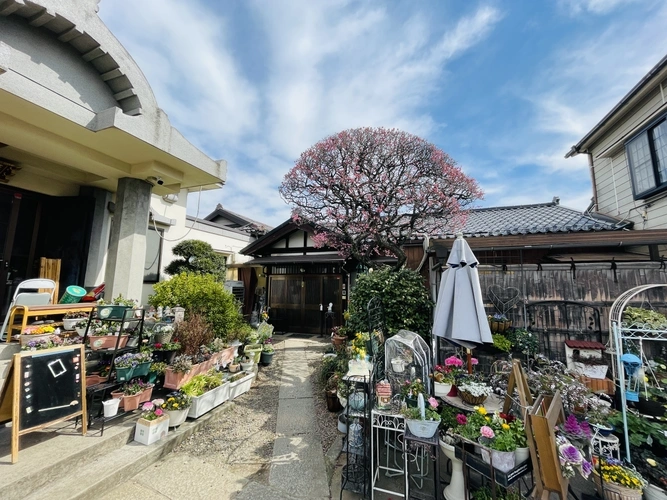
453 361
148 406
487 432
432 401
159 412
461 419
473 361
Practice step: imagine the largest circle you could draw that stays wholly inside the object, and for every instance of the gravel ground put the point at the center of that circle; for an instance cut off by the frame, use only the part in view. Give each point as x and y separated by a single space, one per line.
327 421
241 438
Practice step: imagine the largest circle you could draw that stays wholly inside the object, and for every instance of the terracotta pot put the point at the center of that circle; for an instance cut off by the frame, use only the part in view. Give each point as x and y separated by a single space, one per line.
175 380
332 401
146 395
131 402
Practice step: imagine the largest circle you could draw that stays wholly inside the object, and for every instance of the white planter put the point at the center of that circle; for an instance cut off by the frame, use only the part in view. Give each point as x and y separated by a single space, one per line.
456 489
592 371
111 407
209 400
80 331
177 417
149 431
398 365
441 390
341 400
653 492
502 460
68 323
422 428
240 386
342 423
246 367
521 455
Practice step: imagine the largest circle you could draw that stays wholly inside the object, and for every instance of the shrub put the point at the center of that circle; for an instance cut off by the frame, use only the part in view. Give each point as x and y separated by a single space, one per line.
197 257
193 333
200 293
404 296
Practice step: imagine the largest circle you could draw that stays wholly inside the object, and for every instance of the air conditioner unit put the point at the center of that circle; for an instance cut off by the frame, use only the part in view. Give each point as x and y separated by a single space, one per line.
236 288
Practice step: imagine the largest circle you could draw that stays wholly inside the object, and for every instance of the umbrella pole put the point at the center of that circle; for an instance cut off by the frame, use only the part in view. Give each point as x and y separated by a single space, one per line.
469 358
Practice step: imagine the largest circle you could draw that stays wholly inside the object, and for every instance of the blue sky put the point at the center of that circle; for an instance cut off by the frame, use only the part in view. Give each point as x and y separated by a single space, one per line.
505 88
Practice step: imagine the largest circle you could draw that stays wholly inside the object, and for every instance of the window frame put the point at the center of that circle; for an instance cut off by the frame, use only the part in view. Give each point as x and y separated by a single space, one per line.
160 232
659 187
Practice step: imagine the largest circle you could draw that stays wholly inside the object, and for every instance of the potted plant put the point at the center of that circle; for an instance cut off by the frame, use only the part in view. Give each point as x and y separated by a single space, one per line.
343 391
146 391
166 351
105 336
411 391
654 470
498 323
34 333
235 365
207 391
71 319
473 393
177 405
339 337
652 401
162 333
131 396
615 480
80 327
524 341
156 371
239 384
177 372
501 446
114 309
125 364
444 377
423 425
267 353
253 351
153 424
247 363
143 363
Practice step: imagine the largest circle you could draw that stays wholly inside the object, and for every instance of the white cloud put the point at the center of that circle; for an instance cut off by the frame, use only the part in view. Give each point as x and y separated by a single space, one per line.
576 7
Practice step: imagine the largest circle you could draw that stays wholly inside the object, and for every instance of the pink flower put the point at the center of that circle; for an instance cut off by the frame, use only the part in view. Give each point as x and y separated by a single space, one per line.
473 361
159 413
432 401
453 361
487 432
461 419
148 406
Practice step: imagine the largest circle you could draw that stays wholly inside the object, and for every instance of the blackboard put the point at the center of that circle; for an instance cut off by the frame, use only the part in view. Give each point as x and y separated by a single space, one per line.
50 387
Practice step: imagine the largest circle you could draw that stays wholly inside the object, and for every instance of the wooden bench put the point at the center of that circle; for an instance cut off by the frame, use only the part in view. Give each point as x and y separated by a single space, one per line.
29 312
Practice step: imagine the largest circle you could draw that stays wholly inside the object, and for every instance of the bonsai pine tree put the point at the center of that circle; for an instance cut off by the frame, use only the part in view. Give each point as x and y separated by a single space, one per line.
367 190
197 257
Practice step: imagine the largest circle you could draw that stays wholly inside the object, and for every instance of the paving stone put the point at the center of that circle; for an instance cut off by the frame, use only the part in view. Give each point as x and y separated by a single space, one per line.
296 417
298 467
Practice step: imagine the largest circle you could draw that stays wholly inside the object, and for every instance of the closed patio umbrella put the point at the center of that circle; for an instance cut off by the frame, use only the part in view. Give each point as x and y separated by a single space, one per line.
459 311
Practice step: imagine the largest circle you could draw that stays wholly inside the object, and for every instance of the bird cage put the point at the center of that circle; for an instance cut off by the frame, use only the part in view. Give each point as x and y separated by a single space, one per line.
407 357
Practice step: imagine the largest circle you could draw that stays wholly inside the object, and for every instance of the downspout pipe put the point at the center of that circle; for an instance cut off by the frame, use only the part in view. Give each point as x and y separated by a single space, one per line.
595 186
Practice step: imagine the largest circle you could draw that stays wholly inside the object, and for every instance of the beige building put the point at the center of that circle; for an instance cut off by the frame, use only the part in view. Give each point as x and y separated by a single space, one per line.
86 155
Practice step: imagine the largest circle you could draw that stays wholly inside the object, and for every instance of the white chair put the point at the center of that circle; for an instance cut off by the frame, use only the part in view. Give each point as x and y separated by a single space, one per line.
28 294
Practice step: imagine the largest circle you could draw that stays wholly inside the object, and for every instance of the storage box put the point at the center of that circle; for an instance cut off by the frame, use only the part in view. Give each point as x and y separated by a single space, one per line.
149 431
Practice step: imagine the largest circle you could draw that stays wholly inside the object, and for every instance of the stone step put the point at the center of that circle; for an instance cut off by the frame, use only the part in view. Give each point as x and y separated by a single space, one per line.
101 473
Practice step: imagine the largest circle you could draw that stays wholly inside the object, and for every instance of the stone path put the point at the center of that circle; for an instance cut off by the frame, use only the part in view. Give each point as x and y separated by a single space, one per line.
296 468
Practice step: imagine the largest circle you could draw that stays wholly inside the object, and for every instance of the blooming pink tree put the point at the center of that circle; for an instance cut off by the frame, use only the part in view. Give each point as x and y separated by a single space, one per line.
368 190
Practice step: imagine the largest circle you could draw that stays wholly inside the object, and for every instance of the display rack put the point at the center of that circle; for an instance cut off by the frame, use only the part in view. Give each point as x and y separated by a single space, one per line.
356 442
387 441
622 331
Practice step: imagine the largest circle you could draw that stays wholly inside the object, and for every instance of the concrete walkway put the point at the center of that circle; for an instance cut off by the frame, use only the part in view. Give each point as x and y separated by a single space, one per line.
296 468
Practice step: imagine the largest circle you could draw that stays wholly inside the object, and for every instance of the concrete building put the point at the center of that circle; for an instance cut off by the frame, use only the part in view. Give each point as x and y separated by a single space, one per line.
91 169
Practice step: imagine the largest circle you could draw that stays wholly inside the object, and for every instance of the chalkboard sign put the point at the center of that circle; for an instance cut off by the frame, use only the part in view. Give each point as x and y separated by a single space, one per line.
46 387
50 387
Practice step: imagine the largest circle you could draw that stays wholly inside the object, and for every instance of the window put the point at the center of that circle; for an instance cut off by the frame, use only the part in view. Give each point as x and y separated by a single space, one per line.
153 255
647 157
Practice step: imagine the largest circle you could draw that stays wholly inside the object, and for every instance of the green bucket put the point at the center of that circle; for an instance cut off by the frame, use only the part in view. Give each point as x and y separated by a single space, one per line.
73 294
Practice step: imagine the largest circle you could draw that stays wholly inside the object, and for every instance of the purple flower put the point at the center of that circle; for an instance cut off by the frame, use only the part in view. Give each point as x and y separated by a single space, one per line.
586 429
461 419
571 426
570 453
586 468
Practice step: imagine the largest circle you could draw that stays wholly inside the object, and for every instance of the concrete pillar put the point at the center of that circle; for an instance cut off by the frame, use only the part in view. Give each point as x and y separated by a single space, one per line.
127 246
99 235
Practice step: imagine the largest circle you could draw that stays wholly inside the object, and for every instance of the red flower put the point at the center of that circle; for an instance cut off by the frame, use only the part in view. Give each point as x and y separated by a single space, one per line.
507 417
158 346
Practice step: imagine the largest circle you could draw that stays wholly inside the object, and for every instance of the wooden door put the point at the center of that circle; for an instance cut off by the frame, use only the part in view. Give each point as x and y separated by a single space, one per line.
295 301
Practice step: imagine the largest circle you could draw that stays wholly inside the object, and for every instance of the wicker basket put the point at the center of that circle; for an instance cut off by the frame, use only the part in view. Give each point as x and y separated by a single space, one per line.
470 399
614 491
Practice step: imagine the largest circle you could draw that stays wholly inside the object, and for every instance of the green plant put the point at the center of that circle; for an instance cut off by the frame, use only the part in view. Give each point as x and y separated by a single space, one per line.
524 341
167 346
118 301
405 301
640 316
132 389
639 429
448 417
415 414
181 364
199 384
201 293
197 257
412 389
177 401
501 342
158 368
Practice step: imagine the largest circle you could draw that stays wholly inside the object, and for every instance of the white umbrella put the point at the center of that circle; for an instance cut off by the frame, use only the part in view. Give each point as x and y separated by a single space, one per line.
459 311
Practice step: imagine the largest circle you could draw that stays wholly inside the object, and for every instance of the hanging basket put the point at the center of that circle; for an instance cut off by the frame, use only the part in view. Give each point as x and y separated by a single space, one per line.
466 397
499 326
614 491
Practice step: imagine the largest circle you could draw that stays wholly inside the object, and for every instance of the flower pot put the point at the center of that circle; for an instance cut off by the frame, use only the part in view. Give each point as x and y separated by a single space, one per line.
652 408
177 417
118 395
209 400
466 397
124 374
246 367
253 351
456 489
502 460
499 326
111 407
111 312
94 380
342 423
398 365
142 369
422 428
241 386
338 342
603 430
332 401
149 431
266 358
25 339
152 378
165 356
131 402
441 390
653 492
521 455
80 331
233 368
106 341
162 337
614 491
453 392
146 395
68 323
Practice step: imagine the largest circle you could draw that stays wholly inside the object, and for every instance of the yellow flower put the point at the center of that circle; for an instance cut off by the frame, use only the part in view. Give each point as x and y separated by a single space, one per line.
506 427
488 419
175 405
651 462
482 410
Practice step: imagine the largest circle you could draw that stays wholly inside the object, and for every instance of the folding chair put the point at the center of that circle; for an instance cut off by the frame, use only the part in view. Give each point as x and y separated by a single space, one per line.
28 294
